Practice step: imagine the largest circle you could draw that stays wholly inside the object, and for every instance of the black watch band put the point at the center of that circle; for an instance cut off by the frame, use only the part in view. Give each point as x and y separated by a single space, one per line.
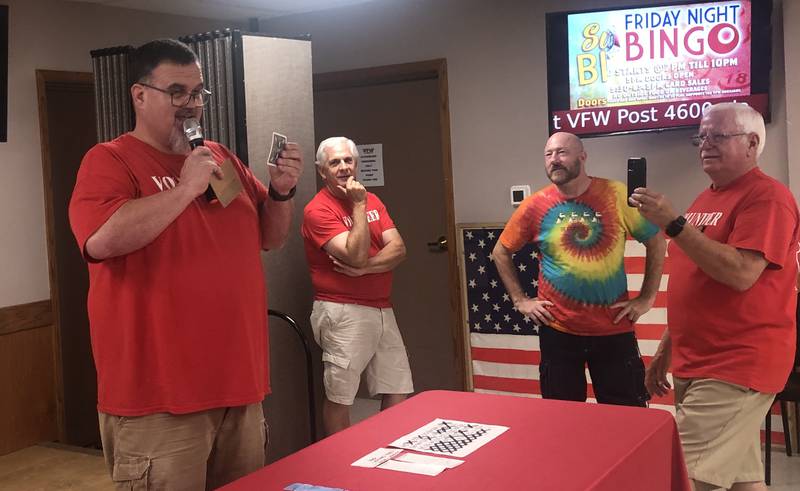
675 227
281 197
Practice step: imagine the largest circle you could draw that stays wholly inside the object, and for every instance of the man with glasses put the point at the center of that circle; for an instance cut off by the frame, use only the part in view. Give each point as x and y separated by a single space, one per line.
731 302
177 305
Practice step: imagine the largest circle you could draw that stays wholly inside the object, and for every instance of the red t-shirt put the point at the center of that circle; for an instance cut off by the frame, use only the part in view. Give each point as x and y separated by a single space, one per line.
746 338
179 325
324 218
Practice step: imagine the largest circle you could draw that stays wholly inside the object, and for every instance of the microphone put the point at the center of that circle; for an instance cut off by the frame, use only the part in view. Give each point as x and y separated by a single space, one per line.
194 132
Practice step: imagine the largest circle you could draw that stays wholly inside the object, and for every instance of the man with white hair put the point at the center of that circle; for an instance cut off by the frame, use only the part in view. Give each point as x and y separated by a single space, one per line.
731 302
352 246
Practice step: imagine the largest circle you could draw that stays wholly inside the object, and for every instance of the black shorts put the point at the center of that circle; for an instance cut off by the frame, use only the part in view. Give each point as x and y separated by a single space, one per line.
614 362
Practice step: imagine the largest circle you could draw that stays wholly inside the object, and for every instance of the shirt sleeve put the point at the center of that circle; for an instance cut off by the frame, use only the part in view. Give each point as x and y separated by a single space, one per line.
767 225
321 225
520 228
102 186
385 221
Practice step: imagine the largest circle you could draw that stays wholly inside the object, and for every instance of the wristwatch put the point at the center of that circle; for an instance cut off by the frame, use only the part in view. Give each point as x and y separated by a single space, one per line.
276 196
675 227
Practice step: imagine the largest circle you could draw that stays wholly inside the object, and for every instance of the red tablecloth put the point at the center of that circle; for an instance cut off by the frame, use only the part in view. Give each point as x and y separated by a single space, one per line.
551 445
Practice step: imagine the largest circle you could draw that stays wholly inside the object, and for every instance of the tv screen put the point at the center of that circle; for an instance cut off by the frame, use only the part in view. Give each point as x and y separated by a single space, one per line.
656 67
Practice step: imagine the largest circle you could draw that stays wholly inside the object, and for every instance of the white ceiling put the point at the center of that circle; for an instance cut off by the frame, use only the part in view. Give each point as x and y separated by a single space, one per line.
239 10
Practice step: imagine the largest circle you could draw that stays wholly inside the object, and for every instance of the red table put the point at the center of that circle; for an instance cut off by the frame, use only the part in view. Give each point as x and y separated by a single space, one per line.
551 445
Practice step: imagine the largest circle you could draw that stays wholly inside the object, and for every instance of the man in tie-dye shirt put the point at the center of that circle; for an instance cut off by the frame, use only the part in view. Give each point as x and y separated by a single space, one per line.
580 224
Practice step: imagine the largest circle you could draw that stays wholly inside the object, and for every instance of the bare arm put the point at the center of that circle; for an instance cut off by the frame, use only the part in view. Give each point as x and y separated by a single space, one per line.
275 217
392 254
655 377
139 221
654 264
736 268
352 247
529 307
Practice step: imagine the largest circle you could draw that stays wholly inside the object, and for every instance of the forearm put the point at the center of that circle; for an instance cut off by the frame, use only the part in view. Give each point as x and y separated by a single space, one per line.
654 265
722 262
275 219
508 273
137 223
357 244
386 259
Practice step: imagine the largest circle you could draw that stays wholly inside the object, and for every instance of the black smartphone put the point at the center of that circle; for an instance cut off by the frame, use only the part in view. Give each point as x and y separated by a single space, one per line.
637 174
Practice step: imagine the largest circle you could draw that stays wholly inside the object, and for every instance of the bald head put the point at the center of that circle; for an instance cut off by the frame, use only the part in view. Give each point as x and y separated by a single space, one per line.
564 139
564 159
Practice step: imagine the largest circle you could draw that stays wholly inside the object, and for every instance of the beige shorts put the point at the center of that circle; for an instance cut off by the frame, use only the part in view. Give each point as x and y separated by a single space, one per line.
203 450
720 430
355 338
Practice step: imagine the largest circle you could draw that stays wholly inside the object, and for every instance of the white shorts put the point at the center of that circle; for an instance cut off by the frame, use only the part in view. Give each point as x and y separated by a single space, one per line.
355 338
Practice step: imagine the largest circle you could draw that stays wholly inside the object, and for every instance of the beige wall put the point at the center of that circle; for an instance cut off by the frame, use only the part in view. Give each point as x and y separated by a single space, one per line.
495 55
54 35
495 52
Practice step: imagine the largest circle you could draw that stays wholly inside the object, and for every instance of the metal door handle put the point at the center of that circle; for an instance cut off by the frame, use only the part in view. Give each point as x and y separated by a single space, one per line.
440 244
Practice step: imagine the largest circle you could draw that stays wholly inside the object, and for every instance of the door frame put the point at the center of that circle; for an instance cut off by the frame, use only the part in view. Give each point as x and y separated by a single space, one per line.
43 78
435 69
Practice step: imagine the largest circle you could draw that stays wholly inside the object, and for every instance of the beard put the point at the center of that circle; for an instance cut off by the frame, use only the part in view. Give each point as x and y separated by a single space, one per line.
568 173
178 142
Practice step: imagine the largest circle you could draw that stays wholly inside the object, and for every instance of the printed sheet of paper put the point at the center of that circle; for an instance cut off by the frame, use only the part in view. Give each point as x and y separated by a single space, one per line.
376 458
414 468
428 459
449 437
397 459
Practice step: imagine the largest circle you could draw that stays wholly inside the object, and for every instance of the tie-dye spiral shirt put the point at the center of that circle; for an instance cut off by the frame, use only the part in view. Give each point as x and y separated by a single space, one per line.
581 244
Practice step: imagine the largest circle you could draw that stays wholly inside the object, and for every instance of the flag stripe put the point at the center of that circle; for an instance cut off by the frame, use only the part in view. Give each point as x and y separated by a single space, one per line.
506 355
637 265
507 384
504 347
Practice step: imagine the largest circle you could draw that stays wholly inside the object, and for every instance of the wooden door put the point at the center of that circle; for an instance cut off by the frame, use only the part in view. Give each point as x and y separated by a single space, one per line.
67 124
401 107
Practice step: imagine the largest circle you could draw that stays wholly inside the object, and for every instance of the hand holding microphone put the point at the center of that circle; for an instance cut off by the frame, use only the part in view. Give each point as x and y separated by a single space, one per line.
194 132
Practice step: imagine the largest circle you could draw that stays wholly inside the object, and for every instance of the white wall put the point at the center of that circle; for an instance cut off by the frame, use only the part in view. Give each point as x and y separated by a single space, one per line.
54 35
495 53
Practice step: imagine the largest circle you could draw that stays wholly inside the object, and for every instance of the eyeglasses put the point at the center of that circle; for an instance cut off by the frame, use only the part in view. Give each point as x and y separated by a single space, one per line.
181 98
713 138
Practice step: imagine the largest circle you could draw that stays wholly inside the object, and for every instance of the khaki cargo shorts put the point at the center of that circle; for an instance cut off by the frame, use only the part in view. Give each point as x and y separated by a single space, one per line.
355 338
720 430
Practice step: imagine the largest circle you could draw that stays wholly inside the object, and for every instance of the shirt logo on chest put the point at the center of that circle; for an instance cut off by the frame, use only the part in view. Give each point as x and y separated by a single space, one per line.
372 216
164 182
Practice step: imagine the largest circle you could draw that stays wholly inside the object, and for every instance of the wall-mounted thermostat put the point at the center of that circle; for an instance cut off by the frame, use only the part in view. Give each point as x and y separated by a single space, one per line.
518 193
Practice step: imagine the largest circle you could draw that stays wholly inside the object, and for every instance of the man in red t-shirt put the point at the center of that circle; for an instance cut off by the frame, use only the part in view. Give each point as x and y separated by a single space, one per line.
352 246
731 302
177 300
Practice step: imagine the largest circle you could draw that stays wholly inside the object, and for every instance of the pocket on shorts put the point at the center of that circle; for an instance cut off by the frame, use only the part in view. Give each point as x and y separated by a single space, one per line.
131 473
339 361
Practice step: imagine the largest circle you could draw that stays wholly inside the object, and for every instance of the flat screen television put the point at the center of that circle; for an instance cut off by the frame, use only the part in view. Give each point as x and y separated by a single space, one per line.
655 67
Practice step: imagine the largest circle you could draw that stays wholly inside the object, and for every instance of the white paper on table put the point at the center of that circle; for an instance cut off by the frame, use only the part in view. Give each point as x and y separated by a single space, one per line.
415 468
377 457
449 437
429 459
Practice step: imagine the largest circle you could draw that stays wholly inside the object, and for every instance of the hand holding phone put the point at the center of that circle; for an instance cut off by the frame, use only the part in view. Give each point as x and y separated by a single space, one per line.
637 175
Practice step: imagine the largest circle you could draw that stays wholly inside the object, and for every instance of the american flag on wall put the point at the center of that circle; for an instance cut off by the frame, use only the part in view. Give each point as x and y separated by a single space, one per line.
504 346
